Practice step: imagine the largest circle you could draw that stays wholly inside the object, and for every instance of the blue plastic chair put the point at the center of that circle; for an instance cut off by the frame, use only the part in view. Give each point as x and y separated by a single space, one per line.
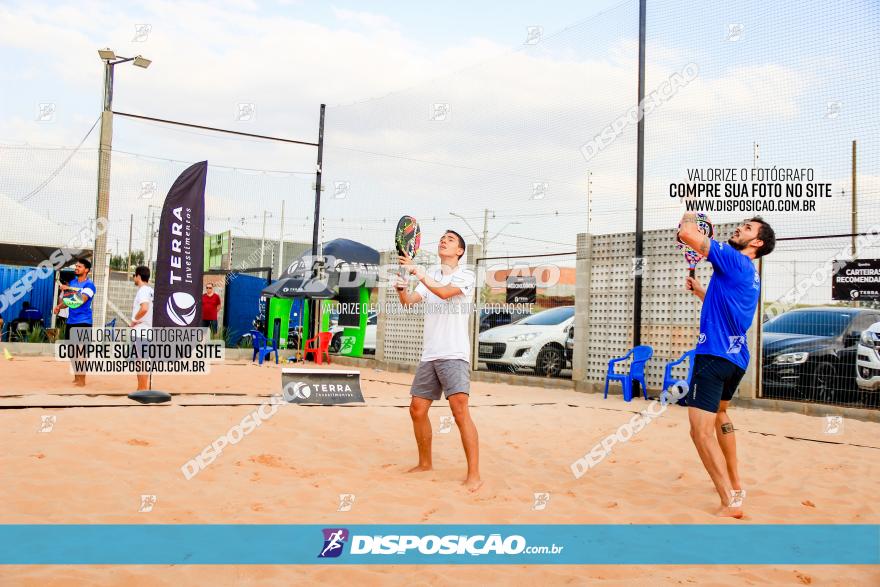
263 347
669 380
640 356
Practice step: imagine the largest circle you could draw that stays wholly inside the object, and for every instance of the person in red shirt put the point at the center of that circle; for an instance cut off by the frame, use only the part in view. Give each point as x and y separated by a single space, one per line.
210 307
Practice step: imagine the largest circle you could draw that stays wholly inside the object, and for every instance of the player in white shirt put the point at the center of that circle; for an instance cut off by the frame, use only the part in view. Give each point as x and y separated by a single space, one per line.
142 314
447 291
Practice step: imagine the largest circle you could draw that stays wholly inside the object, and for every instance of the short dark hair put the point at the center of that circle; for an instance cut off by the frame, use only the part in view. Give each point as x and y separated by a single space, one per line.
85 263
143 272
766 234
460 240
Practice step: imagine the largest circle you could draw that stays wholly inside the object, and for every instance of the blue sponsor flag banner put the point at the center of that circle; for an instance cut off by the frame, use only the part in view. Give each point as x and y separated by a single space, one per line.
440 544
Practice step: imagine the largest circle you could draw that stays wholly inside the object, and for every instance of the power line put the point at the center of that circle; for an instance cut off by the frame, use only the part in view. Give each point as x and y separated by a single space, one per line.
64 163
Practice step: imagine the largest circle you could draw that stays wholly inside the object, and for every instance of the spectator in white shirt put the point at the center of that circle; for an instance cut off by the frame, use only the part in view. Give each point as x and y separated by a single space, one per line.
142 315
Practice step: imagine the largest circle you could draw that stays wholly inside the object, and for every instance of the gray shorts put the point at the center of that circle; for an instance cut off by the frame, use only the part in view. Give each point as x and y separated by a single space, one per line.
443 376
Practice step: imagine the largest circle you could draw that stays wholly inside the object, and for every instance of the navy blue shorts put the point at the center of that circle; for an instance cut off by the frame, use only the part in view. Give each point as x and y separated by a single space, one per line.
715 379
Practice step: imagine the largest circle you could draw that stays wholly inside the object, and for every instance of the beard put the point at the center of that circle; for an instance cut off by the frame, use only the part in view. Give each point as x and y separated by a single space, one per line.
736 244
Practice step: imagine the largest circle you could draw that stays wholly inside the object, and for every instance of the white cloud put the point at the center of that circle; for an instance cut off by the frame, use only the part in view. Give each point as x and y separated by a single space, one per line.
366 19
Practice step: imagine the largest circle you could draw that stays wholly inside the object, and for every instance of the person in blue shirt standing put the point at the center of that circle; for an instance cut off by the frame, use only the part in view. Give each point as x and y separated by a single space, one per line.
80 317
729 305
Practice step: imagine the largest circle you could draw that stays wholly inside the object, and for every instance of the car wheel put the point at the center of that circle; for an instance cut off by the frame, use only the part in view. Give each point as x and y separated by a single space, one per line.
501 368
550 362
822 389
336 342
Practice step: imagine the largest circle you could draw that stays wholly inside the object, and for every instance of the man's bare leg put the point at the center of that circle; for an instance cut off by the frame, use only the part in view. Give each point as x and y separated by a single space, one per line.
727 440
469 439
703 435
418 411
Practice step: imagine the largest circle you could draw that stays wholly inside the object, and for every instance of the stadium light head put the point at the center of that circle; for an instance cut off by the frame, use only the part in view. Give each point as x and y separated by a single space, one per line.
142 62
106 54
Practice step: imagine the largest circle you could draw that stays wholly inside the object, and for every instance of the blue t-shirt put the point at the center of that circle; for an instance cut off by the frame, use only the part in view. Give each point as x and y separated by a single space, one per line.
729 306
83 314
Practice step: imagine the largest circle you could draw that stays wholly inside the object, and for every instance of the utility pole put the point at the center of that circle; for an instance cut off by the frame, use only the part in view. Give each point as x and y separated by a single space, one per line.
485 232
130 227
263 240
147 240
152 232
855 209
589 198
281 243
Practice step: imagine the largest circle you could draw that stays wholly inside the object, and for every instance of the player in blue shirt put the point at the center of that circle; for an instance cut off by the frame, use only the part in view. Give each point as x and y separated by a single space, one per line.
722 355
80 317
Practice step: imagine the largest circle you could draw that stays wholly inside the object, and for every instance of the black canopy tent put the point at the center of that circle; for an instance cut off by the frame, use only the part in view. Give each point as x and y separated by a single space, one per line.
318 278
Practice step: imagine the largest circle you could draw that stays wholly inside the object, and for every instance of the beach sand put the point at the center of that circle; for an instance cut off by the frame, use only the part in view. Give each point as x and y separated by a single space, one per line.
96 463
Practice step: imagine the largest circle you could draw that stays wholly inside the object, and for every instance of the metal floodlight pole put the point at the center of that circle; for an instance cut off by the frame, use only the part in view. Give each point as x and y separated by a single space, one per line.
640 176
315 318
318 170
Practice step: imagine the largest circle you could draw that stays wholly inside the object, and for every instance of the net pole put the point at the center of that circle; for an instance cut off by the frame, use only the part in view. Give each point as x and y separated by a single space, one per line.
640 175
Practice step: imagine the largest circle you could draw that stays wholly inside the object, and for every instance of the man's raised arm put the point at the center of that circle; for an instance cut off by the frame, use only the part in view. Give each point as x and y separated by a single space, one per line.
690 234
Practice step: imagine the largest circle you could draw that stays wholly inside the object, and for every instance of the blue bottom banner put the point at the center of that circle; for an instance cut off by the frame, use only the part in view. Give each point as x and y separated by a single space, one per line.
563 544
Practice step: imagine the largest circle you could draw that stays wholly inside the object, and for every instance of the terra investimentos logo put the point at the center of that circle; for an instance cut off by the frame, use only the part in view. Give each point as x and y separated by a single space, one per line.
297 390
181 308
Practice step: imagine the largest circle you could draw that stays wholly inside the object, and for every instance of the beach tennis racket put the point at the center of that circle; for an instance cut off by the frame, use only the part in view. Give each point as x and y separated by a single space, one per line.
407 237
691 256
72 298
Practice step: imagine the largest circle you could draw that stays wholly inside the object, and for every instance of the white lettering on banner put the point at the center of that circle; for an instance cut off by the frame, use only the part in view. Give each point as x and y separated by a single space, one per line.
433 544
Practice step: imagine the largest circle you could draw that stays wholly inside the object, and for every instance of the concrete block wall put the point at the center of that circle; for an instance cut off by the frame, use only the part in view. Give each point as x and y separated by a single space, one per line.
121 298
398 334
609 304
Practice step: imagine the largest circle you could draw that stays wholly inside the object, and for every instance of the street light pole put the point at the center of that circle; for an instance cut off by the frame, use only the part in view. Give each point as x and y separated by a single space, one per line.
102 209
100 262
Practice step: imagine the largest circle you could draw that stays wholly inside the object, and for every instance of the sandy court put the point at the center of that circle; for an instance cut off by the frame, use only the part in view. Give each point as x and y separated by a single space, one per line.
96 463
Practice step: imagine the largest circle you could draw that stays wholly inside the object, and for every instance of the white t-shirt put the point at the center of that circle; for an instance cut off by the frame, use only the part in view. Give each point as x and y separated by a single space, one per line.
447 322
144 294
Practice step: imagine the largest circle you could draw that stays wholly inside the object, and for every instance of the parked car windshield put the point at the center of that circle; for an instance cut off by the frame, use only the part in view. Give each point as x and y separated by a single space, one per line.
815 323
549 317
